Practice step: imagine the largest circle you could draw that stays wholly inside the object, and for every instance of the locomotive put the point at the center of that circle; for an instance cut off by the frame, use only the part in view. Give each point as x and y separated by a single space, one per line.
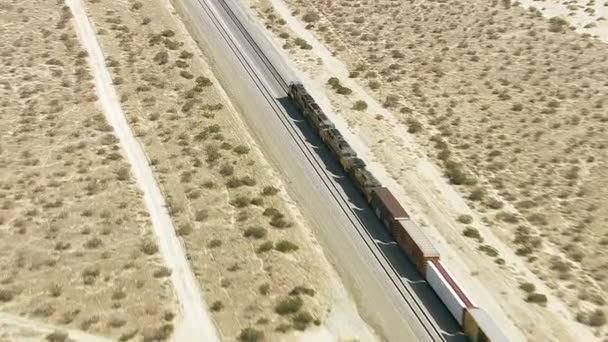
476 323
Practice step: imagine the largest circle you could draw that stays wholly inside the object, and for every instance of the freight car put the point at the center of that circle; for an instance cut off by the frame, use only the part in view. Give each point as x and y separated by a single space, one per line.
416 245
477 325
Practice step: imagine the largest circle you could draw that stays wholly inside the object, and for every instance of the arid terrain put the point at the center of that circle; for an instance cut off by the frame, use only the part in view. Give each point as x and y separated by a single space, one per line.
509 104
261 270
76 248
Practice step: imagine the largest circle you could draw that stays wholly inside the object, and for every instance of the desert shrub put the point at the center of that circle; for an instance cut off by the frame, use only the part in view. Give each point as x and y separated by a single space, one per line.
493 203
311 17
122 174
258 201
391 101
241 149
201 215
477 194
149 247
269 191
161 57
265 247
536 298
214 243
559 265
241 201
471 232
528 287
344 90
146 21
217 306
255 232
234 182
162 272
374 85
289 305
55 290
44 310
161 333
518 107
597 318
454 173
185 55
285 246
57 336
129 334
203 81
167 33
489 250
302 44
227 170
6 295
298 290
264 289
557 24
465 219
184 229
360 105
413 125
279 222
302 320
251 335
116 322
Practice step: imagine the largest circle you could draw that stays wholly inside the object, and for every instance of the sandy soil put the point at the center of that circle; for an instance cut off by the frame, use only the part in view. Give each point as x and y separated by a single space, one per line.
245 238
584 16
74 235
18 329
478 118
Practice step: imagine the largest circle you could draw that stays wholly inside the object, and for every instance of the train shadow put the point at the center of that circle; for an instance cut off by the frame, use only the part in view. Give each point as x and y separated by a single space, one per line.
375 229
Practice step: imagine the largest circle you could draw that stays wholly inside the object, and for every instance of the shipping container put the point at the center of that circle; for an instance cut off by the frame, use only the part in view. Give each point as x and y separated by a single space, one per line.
450 293
479 327
415 244
387 208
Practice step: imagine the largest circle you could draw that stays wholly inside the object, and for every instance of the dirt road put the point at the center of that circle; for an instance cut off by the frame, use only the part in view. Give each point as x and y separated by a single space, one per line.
196 324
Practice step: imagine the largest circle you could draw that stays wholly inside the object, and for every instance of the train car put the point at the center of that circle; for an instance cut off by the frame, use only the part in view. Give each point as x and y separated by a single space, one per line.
480 327
350 163
318 120
387 208
336 143
415 244
310 109
450 293
365 182
298 93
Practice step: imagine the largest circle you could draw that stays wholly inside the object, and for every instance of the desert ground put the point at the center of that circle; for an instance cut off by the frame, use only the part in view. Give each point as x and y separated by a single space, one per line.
261 270
509 105
76 248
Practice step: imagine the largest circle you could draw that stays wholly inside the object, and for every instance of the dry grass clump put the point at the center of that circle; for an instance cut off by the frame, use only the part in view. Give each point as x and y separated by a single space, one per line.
224 203
512 105
71 217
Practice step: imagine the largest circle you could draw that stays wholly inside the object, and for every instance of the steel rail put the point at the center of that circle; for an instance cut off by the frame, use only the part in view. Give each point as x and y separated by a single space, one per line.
417 308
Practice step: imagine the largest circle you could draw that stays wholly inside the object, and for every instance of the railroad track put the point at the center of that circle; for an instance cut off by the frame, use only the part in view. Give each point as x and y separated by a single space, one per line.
433 333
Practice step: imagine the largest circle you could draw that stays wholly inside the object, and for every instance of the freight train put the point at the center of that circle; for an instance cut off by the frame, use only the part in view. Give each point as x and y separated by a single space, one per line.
475 322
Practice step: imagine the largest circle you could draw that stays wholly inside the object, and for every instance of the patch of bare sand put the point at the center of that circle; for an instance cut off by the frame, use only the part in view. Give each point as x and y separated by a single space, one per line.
336 26
245 238
75 243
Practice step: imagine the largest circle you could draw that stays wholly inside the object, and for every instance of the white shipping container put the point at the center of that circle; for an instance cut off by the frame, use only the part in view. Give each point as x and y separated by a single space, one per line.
445 292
